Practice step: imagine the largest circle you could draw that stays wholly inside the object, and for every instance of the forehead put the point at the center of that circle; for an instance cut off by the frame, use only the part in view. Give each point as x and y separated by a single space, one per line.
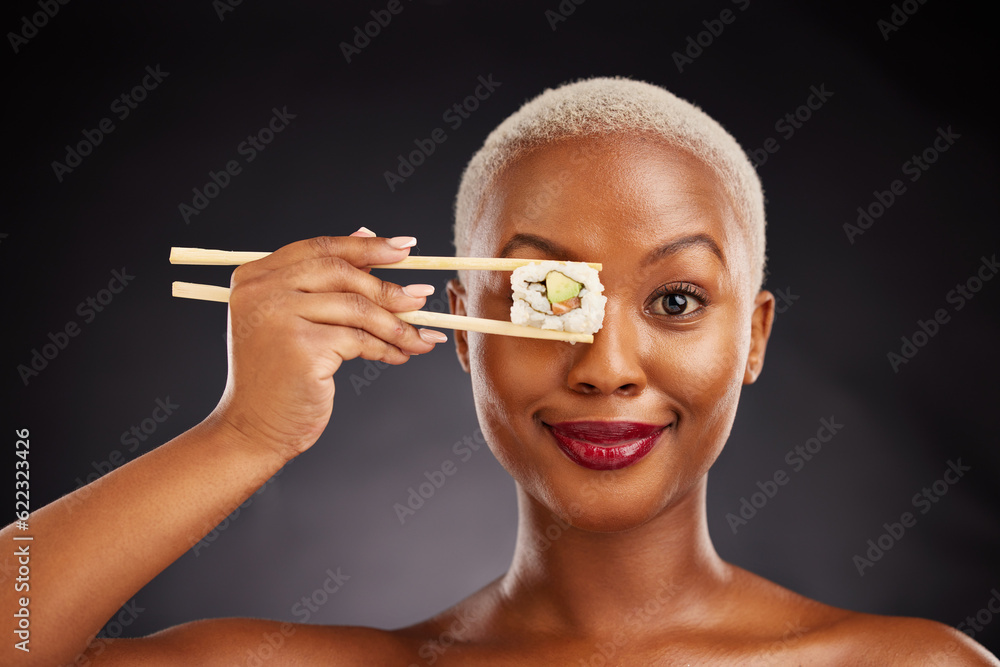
625 193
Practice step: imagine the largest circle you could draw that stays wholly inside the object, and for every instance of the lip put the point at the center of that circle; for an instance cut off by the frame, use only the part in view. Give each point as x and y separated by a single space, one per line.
605 445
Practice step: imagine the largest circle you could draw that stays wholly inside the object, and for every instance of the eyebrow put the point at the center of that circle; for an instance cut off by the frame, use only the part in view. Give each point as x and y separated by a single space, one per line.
673 247
683 243
532 241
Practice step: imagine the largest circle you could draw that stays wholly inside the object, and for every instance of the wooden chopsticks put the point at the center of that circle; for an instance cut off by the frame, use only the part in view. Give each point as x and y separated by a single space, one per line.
205 256
201 292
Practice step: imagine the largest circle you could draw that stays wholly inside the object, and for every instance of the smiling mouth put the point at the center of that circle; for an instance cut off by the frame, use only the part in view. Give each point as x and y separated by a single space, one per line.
605 445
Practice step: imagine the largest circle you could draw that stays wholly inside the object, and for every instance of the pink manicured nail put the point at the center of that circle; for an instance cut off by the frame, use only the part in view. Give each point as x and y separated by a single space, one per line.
400 242
364 231
418 290
432 336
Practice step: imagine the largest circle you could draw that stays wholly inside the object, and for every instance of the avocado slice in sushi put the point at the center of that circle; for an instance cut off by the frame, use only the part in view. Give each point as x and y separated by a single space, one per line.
559 288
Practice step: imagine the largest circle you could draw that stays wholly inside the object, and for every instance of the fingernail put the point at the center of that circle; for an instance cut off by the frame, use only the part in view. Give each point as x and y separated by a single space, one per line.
418 290
365 231
432 336
400 242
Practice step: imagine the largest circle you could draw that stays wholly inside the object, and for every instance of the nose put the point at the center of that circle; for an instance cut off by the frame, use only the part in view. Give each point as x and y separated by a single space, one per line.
612 363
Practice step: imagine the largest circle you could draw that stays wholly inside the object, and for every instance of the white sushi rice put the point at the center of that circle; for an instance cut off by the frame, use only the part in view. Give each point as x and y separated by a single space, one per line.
532 307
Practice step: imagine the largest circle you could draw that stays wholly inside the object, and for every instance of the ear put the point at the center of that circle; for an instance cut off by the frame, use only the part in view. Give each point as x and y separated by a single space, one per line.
760 332
456 302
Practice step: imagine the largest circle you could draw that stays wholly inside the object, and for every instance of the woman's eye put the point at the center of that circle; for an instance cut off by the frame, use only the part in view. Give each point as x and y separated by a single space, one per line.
675 304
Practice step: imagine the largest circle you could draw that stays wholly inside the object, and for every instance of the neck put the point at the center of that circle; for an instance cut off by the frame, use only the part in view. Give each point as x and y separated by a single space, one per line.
564 578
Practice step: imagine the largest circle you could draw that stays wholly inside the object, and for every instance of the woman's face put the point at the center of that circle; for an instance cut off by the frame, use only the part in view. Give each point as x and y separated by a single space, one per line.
683 329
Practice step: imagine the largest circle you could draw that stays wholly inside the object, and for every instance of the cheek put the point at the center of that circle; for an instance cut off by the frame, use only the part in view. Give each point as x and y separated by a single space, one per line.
703 372
503 394
495 373
511 378
488 355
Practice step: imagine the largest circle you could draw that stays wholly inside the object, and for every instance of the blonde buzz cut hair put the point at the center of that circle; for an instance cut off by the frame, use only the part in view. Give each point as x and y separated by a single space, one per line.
604 106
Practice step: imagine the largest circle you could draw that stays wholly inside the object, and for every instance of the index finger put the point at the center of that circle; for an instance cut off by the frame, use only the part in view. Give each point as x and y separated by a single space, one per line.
358 251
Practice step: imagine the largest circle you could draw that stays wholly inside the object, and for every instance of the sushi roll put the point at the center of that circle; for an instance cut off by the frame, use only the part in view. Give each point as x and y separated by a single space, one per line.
561 296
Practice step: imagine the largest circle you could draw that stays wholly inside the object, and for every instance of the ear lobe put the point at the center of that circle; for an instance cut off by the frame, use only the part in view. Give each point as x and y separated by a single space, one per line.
760 331
456 302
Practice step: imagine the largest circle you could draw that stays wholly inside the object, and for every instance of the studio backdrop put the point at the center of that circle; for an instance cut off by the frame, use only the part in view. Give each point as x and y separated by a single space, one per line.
862 469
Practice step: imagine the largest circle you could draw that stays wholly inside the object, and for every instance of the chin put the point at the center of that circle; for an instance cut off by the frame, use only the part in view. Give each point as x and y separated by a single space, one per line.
607 502
614 519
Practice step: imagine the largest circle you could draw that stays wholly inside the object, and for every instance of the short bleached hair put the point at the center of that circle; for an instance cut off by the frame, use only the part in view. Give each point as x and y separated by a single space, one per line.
603 106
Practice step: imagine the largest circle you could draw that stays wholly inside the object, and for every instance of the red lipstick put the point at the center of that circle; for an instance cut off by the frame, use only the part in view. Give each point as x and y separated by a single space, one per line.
605 445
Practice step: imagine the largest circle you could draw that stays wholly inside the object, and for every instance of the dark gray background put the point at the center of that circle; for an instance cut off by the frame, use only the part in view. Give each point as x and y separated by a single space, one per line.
324 175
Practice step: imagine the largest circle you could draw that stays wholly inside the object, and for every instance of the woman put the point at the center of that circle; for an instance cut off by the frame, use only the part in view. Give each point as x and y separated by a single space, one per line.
609 442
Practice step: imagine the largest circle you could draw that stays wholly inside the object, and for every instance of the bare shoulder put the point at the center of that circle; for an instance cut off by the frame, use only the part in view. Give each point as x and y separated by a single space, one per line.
249 642
816 633
897 640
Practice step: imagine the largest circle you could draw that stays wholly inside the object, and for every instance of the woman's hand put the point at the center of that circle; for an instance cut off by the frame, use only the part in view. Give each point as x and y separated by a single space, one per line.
295 316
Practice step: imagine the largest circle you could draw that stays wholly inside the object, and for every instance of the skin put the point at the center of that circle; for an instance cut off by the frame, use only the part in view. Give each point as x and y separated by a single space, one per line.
609 568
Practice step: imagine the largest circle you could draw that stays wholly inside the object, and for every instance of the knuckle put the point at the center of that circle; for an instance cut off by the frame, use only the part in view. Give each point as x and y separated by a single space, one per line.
337 265
362 338
259 299
324 245
294 272
241 274
358 305
388 291
242 295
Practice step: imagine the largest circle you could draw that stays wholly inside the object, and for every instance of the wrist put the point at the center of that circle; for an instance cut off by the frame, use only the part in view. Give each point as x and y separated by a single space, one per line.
231 433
